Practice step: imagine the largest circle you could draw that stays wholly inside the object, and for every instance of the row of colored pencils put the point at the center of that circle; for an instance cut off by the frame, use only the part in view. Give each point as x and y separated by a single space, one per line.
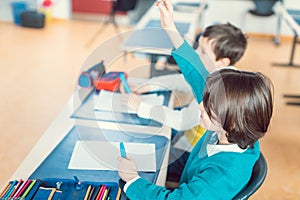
17 189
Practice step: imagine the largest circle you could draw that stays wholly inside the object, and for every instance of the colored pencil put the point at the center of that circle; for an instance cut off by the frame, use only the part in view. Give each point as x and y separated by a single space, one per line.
3 192
99 192
102 192
91 193
11 189
87 192
28 189
17 188
106 192
23 188
95 193
119 194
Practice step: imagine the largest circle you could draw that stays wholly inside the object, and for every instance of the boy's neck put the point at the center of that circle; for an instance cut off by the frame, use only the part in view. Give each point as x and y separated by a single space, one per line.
222 138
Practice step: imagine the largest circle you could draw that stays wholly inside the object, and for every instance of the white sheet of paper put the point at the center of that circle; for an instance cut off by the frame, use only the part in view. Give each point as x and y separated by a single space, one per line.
99 155
111 101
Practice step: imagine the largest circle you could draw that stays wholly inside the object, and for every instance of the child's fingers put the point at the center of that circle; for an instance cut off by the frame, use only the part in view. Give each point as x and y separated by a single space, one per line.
162 7
157 2
168 5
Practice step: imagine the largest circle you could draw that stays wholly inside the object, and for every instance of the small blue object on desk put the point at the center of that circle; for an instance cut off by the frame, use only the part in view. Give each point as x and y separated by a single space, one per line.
125 84
122 150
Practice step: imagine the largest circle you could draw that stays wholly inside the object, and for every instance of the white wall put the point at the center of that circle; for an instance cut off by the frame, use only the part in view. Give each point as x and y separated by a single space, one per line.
61 8
6 13
233 11
236 12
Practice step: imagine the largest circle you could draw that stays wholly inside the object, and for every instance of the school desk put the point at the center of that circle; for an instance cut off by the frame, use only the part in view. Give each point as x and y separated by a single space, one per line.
151 40
86 111
292 18
58 135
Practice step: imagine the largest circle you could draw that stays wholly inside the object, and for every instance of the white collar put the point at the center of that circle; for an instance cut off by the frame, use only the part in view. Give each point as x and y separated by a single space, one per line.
213 149
228 67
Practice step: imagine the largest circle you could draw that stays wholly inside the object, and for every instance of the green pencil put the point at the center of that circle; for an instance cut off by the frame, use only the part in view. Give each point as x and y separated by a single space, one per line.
28 189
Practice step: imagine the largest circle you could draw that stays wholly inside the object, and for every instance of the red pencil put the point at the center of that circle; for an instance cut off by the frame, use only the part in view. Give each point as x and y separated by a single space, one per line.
17 187
22 184
100 192
23 188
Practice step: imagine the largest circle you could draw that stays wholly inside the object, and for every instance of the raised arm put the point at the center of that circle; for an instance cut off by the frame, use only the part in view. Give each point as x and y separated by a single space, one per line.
189 62
167 22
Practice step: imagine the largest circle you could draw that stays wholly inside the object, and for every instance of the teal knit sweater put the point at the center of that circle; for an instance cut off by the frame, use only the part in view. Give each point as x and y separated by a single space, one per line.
219 176
192 69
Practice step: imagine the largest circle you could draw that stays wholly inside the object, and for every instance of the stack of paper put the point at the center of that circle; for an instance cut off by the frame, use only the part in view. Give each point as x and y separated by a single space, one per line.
111 101
100 155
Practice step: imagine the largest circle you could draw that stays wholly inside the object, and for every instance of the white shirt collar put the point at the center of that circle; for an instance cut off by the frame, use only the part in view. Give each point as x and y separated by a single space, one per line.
228 67
213 149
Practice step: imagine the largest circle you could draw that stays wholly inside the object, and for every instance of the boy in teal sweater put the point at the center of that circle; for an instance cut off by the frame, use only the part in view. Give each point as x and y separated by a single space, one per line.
236 109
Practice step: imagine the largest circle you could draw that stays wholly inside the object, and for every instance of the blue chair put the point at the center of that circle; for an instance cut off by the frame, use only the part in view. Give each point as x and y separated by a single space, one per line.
257 178
263 8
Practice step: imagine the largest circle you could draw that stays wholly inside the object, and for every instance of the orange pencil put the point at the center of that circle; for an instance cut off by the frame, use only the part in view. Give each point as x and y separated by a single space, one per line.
3 192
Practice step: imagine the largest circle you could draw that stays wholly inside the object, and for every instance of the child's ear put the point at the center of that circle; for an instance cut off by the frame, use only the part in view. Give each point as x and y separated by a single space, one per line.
224 62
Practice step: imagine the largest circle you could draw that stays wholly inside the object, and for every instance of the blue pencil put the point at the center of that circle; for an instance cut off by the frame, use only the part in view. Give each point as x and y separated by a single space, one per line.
122 150
125 84
11 189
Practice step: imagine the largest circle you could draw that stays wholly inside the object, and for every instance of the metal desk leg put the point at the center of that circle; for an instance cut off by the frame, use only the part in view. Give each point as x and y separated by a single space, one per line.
277 36
111 20
159 72
153 60
291 63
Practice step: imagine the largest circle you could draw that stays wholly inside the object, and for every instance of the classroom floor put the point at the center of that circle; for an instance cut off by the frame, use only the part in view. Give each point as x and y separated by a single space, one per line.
39 72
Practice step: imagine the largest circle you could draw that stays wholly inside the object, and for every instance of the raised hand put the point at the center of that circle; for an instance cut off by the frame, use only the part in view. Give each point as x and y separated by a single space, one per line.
167 22
166 14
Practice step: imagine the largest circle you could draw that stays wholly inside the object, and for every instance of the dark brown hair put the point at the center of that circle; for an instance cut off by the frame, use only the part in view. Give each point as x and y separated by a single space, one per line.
228 41
242 102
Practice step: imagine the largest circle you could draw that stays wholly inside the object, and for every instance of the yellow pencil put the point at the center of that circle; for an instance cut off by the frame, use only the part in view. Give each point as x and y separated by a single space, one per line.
87 193
119 194
105 194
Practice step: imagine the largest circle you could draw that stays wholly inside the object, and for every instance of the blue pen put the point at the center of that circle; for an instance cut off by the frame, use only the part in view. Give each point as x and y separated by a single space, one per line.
125 84
122 150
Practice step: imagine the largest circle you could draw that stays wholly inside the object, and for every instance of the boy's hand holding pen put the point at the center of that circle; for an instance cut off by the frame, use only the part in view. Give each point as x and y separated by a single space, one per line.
127 166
